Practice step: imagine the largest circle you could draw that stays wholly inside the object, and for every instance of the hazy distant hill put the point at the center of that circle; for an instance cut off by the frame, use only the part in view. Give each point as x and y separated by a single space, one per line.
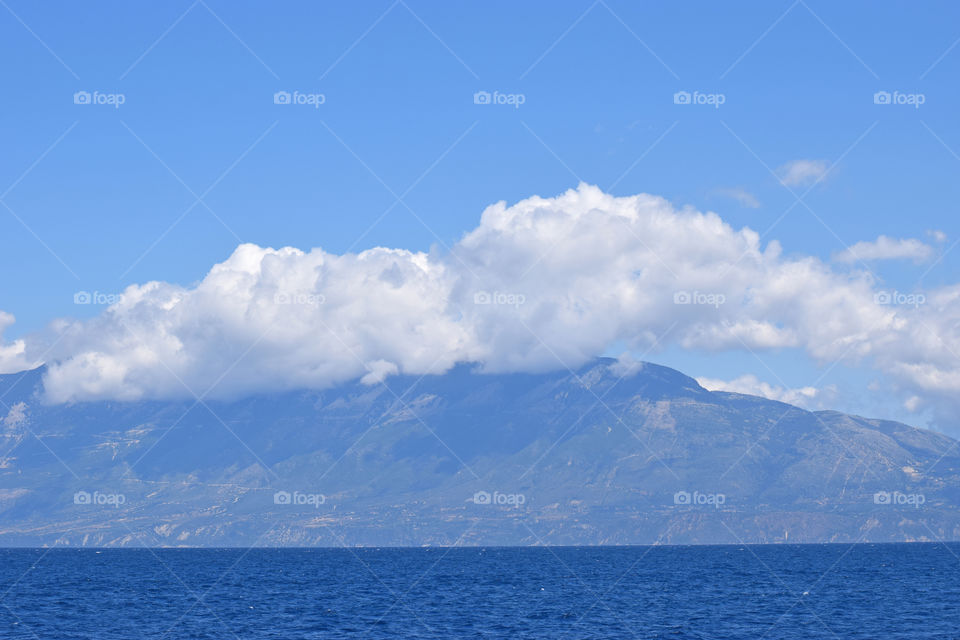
585 458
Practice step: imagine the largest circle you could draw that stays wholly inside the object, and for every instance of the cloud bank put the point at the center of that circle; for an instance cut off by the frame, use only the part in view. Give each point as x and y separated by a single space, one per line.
543 284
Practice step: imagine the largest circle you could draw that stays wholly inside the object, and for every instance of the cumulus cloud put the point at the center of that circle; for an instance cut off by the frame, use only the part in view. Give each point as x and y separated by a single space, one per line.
799 173
885 248
266 319
806 397
543 284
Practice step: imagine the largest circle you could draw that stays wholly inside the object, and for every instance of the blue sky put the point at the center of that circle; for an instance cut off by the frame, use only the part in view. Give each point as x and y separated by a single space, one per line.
198 158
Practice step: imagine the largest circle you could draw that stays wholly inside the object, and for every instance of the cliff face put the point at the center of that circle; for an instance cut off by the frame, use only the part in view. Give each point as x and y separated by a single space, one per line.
557 458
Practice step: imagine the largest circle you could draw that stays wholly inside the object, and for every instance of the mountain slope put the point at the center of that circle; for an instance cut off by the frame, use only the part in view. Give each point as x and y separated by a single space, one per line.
591 457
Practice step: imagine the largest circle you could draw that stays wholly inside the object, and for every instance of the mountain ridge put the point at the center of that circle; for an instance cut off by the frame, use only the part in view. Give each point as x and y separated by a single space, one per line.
597 457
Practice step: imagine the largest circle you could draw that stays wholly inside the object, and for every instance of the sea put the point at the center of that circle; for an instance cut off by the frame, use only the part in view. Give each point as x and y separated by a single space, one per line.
882 591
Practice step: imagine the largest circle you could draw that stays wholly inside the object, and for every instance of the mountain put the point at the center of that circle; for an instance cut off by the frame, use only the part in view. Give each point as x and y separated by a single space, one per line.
603 455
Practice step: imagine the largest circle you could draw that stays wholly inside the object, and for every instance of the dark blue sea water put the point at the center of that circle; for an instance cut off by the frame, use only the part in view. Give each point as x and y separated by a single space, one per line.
823 591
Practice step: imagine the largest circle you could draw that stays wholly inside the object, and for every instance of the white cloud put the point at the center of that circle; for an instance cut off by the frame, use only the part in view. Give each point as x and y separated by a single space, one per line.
885 248
267 319
16 416
742 196
626 366
913 403
798 173
379 370
13 356
565 278
806 397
